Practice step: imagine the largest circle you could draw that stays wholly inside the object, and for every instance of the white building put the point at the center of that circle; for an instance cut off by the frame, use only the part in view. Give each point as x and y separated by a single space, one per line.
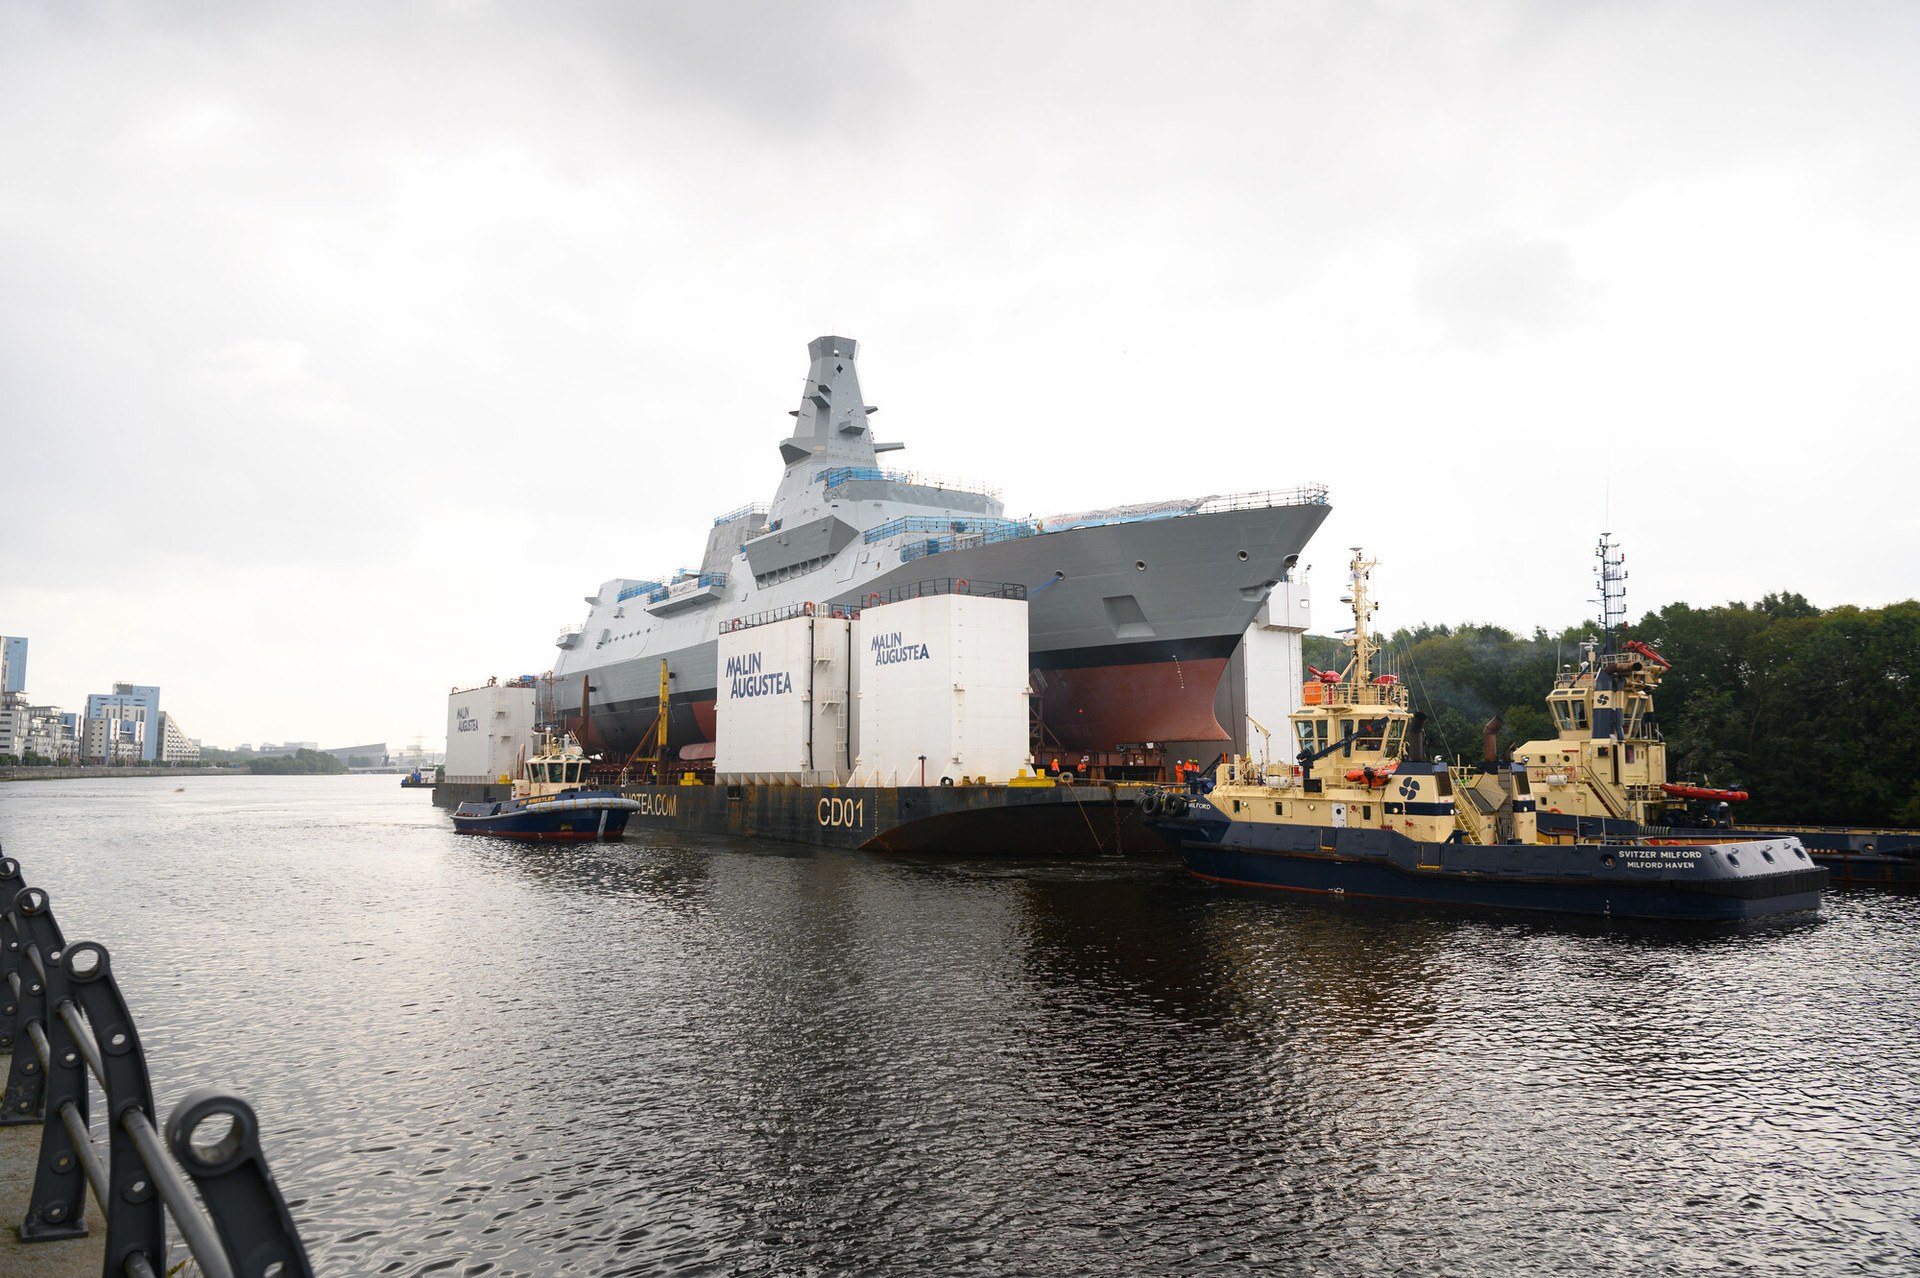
117 736
175 746
53 734
15 725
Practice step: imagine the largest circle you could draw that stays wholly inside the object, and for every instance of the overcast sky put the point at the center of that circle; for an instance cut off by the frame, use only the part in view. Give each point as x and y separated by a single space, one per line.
345 347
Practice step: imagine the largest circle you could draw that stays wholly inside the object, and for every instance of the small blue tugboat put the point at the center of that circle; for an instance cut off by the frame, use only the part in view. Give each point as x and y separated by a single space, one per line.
1372 822
549 803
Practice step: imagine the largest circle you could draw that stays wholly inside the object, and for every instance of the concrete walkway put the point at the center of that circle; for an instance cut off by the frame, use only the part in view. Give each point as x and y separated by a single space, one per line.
71 1258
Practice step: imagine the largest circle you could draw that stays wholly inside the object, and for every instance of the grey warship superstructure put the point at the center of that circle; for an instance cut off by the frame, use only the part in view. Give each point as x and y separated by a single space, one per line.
1134 612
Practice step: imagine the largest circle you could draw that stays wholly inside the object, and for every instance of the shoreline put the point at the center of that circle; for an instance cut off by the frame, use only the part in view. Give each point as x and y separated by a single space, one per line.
69 773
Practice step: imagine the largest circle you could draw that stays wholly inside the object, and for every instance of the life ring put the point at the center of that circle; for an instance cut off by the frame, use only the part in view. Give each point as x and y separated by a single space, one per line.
873 600
809 610
961 585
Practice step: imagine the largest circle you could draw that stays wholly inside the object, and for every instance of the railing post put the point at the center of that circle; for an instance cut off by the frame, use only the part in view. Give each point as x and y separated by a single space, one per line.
232 1177
136 1218
13 953
58 1206
26 996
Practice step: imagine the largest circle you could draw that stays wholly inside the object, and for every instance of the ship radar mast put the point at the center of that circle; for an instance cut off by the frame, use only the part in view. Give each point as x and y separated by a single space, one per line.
1361 671
1610 575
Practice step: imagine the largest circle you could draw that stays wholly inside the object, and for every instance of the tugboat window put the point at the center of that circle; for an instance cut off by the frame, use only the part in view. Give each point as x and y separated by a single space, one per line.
1372 733
1580 714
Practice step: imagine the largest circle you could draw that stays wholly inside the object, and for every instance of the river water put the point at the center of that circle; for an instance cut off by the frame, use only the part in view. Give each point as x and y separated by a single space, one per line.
713 1057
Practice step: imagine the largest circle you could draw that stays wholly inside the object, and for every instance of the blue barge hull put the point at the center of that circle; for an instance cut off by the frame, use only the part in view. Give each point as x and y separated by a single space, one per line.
959 820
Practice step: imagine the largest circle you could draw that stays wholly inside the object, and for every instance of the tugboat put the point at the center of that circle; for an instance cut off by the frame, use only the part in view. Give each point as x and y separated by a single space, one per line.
417 780
1604 776
1357 816
548 801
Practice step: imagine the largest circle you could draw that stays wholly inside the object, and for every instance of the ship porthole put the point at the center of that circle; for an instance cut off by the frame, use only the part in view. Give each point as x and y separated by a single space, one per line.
1732 859
1799 853
1243 556
1765 855
1139 565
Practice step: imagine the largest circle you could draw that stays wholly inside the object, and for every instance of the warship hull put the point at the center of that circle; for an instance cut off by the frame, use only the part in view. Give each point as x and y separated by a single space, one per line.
1130 628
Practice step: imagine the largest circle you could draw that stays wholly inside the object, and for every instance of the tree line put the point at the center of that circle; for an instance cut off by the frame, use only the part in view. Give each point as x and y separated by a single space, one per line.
1815 712
299 763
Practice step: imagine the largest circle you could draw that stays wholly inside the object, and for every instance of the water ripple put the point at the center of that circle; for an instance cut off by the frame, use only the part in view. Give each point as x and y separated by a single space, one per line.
701 1057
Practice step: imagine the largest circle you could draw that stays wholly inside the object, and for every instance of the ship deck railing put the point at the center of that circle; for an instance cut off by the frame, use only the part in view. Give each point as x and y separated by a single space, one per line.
1391 695
751 508
981 528
636 589
939 545
1304 495
687 584
834 476
1180 508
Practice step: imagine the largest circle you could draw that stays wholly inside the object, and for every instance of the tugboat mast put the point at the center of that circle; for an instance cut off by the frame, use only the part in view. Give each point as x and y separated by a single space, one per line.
1611 577
1361 671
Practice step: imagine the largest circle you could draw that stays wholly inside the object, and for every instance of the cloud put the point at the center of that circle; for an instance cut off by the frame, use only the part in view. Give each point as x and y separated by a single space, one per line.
1496 287
370 337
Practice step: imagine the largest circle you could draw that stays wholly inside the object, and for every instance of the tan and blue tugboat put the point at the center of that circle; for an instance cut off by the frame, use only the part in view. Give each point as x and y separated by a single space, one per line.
1604 774
552 800
1358 815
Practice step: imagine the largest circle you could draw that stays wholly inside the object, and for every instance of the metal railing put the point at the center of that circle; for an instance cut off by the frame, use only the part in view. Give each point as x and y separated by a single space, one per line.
834 476
637 589
65 1025
947 525
751 508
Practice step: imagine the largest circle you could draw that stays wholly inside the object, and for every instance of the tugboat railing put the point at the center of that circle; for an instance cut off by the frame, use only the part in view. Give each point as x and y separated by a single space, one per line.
1359 694
65 1025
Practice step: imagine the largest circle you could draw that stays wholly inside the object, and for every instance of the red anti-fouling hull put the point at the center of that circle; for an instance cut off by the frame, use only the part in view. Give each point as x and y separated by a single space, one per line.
1098 707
